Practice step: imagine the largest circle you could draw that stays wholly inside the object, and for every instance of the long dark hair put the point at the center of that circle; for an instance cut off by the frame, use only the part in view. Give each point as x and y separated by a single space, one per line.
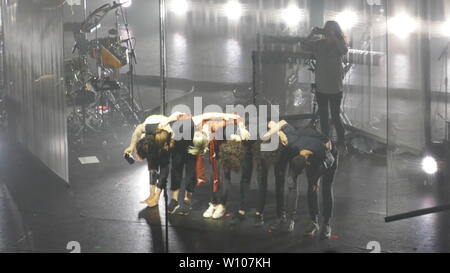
231 155
336 30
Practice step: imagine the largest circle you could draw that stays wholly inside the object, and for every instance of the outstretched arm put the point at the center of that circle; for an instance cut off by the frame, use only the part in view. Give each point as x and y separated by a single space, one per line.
213 115
308 42
275 129
174 117
245 134
137 134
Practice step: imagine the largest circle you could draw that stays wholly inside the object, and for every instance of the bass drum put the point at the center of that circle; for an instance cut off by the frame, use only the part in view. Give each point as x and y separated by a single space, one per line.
111 53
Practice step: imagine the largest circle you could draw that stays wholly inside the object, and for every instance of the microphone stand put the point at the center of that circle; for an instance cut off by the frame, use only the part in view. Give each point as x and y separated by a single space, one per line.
132 58
444 55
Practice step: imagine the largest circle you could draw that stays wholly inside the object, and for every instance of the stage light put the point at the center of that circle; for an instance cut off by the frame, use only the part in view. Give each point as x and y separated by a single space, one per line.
402 25
292 15
126 3
179 7
347 19
445 29
429 165
233 10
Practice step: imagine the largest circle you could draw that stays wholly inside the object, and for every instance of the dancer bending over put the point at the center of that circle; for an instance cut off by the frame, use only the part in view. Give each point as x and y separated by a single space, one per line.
311 151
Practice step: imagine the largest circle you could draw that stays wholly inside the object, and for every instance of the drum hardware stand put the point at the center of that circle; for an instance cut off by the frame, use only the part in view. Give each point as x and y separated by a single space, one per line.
131 56
315 112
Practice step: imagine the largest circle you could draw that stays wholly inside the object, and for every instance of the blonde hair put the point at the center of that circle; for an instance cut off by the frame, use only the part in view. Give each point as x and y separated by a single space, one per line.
162 138
200 142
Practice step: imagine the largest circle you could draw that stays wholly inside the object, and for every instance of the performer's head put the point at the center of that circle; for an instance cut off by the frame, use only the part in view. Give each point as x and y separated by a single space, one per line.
143 147
333 27
231 154
163 140
200 143
151 145
298 164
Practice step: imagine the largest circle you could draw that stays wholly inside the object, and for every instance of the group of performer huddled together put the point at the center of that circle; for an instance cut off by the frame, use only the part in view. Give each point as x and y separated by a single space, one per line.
183 141
225 139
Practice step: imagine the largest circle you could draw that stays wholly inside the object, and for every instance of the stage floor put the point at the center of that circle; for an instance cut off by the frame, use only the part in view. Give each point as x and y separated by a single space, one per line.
101 211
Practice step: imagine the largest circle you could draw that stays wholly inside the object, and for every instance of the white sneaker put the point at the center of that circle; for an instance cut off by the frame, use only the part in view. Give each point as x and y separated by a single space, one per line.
210 211
219 213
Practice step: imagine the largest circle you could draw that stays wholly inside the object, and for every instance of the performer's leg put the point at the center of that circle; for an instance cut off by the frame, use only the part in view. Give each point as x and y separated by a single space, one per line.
261 176
213 204
176 172
213 152
153 178
292 200
190 176
186 204
215 185
161 184
335 108
280 178
222 196
322 102
313 174
225 186
200 170
246 177
328 200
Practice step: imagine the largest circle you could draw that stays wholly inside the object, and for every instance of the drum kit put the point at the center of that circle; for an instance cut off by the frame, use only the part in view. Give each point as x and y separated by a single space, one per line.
98 101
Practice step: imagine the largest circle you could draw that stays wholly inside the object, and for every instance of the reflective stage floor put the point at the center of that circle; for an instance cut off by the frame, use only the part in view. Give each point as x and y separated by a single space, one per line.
101 211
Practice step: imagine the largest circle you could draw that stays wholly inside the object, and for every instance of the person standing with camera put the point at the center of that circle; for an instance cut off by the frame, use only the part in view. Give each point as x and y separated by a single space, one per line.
329 51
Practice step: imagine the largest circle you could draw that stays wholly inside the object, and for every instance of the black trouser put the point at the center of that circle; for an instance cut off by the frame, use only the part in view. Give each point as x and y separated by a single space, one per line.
313 173
181 160
280 172
246 175
261 177
159 176
158 167
332 102
221 197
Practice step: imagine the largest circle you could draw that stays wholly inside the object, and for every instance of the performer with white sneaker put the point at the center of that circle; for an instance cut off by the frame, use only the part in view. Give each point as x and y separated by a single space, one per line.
227 151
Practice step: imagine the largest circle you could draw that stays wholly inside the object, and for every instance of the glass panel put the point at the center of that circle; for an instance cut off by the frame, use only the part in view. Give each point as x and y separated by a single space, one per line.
364 102
417 105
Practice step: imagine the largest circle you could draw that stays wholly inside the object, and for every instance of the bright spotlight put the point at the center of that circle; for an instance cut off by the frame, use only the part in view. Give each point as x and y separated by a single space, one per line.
429 165
126 3
445 29
402 25
292 15
233 9
347 19
179 7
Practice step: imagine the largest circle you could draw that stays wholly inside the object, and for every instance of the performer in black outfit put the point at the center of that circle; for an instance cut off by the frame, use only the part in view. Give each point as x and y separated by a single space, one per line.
154 144
311 151
182 161
329 51
262 161
160 137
